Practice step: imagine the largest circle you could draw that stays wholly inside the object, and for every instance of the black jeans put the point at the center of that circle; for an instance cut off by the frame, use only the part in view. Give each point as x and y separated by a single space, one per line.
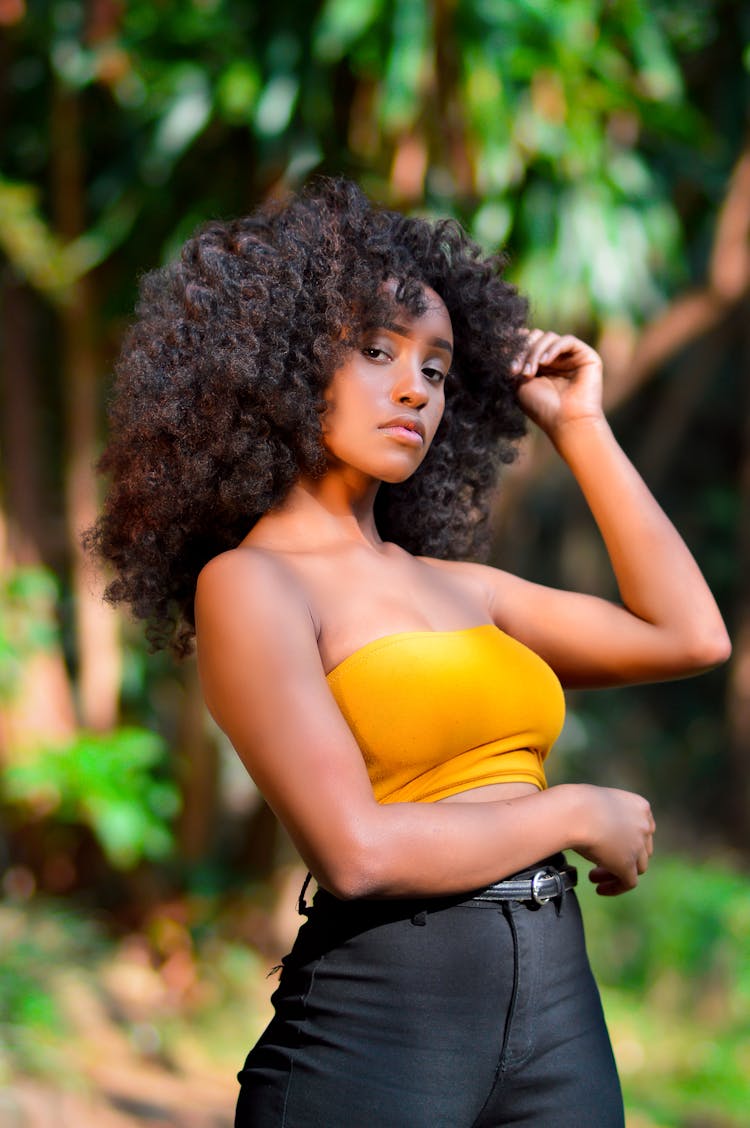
437 1013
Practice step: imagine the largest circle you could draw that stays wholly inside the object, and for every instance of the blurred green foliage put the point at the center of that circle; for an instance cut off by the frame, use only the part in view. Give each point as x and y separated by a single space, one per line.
116 783
37 943
672 961
28 624
113 782
577 120
690 916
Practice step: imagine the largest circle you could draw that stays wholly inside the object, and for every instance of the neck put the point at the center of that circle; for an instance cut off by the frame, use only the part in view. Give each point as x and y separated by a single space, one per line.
327 510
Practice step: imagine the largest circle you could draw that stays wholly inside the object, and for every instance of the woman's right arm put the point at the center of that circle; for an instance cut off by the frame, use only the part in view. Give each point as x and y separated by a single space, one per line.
264 684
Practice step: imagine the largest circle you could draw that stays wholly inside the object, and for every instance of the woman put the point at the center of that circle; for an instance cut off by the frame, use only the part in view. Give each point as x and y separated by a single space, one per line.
310 415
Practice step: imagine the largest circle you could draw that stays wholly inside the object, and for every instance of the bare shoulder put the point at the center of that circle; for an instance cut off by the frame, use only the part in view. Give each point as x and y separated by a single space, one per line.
251 582
251 614
242 565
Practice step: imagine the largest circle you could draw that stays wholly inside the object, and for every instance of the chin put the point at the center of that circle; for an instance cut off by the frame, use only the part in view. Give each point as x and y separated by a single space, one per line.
394 479
394 469
398 469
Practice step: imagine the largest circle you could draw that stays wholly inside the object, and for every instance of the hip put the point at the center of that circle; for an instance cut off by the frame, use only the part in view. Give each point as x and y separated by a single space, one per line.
425 1011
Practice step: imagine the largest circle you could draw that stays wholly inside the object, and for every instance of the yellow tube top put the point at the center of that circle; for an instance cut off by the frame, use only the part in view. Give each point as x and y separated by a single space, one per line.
438 712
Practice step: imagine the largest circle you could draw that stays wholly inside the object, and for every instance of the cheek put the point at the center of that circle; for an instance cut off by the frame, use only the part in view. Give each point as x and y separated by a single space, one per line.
334 398
343 421
439 411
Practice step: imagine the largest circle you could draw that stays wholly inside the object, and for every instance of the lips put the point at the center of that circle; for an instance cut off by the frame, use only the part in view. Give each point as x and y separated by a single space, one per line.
405 423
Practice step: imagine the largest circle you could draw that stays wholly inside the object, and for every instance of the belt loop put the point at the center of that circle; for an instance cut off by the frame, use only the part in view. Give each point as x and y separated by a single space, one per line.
560 901
302 907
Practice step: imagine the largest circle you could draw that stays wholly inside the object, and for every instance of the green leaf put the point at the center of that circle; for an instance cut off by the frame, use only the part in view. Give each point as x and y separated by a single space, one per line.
492 223
276 104
237 90
186 114
340 24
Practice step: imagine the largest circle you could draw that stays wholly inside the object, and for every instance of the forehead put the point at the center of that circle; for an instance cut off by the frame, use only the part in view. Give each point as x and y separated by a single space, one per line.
434 321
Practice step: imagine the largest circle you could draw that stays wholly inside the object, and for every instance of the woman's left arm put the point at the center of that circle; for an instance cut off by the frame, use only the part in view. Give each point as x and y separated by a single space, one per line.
668 625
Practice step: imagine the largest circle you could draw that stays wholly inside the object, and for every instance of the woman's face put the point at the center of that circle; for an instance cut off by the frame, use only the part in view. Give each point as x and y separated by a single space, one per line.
386 400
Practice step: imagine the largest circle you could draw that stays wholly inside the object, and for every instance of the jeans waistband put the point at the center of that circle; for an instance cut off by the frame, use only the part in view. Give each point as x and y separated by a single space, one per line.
546 880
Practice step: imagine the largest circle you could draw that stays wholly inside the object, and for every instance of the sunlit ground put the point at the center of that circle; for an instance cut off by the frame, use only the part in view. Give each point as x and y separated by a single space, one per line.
150 1030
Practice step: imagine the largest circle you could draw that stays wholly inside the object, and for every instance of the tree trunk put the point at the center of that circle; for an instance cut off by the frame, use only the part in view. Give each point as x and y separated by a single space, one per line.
197 771
20 417
40 705
99 661
452 134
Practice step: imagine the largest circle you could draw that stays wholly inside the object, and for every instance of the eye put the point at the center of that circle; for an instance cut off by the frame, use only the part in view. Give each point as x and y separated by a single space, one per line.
372 352
434 375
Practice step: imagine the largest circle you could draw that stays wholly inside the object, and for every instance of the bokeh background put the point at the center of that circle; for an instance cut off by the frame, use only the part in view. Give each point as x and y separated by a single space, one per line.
146 889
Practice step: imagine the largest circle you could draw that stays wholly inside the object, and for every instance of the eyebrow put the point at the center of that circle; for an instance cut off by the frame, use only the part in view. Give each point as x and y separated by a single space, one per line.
403 331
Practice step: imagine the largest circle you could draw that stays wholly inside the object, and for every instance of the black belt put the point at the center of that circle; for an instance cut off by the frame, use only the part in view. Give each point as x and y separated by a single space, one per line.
542 886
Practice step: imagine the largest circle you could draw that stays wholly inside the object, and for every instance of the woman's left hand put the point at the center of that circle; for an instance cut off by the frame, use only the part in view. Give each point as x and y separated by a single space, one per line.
561 380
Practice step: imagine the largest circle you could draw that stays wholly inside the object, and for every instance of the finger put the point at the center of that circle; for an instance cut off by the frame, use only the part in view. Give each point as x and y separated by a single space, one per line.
599 873
615 889
539 347
607 883
614 885
529 337
557 350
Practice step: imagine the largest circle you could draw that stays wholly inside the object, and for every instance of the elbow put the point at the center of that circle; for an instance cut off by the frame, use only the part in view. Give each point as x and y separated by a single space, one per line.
347 886
370 866
722 651
349 880
706 651
352 872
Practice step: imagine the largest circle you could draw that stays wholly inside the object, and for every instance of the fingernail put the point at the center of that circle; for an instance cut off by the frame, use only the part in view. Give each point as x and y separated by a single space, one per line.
527 369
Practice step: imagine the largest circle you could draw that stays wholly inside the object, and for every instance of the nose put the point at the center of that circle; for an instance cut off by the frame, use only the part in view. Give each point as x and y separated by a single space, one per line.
409 386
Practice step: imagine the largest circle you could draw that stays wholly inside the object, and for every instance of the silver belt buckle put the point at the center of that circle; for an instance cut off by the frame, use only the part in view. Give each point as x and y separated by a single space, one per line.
536 885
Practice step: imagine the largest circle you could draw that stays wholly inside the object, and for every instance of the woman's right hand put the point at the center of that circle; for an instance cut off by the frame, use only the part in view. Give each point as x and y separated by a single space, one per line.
618 837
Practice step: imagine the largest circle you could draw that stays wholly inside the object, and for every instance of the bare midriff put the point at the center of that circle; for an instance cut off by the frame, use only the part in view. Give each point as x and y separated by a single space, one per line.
491 793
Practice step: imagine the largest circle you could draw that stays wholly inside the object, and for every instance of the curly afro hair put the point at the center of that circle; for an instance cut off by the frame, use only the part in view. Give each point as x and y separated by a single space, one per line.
219 389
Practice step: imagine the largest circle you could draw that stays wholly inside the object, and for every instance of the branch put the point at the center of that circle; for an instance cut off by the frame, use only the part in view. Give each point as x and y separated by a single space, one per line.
693 314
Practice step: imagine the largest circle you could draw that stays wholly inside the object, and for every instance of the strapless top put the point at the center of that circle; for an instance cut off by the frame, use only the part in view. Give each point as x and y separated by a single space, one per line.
439 712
